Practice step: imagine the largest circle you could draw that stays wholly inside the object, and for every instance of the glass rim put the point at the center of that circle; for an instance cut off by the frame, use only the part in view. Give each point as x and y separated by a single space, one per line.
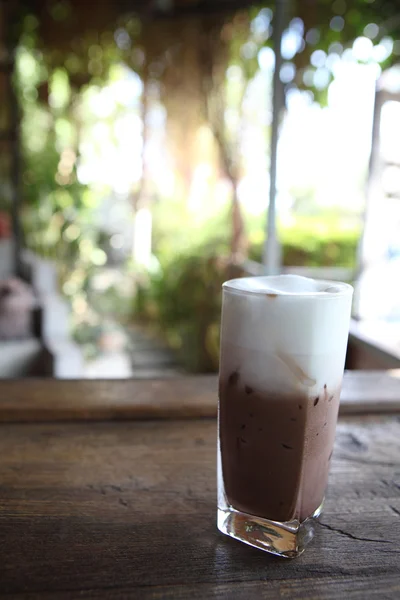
345 289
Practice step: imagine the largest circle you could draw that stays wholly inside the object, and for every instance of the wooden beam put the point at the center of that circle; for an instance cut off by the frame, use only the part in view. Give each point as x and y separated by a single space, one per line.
271 258
185 397
199 8
10 10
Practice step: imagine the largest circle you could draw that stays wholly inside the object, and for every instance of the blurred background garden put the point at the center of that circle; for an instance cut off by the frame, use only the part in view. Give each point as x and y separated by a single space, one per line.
151 150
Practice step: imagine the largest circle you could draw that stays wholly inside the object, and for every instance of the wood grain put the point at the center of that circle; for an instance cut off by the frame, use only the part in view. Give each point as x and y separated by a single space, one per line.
127 510
319 588
50 399
186 397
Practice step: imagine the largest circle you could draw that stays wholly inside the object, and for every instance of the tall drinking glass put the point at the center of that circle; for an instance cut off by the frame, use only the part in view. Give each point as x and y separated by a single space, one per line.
283 346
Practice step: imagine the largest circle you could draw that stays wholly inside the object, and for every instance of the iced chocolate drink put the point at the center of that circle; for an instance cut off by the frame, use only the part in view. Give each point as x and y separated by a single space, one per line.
283 345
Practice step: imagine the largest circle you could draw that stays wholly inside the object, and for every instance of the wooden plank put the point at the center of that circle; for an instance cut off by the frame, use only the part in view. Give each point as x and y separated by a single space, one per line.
50 399
376 341
326 588
116 510
185 397
370 392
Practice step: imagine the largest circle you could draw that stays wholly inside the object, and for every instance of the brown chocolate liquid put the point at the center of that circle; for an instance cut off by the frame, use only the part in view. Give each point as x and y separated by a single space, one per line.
265 440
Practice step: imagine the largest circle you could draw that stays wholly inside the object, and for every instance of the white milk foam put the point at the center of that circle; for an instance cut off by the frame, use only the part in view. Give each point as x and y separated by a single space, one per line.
287 284
286 332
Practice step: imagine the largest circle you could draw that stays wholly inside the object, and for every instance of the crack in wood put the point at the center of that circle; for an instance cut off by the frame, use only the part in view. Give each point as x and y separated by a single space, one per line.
355 443
351 536
395 510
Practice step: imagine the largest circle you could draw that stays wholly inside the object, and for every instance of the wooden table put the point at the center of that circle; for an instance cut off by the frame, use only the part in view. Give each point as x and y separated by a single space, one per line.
107 490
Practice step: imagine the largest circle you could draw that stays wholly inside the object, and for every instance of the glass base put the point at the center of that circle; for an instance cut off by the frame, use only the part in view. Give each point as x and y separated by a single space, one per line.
287 539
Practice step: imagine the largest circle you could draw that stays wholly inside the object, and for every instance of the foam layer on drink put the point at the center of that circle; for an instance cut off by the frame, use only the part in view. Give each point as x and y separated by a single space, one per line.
286 285
287 333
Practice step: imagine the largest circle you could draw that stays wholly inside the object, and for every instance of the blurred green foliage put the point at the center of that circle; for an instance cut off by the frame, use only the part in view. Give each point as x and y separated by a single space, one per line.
57 208
175 230
316 242
182 301
181 297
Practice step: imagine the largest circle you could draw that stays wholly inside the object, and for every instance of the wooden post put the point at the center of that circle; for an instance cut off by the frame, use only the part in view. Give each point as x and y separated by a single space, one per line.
9 14
271 257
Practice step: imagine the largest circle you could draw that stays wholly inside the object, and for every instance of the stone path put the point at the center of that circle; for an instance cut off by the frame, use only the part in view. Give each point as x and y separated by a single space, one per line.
143 357
150 357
